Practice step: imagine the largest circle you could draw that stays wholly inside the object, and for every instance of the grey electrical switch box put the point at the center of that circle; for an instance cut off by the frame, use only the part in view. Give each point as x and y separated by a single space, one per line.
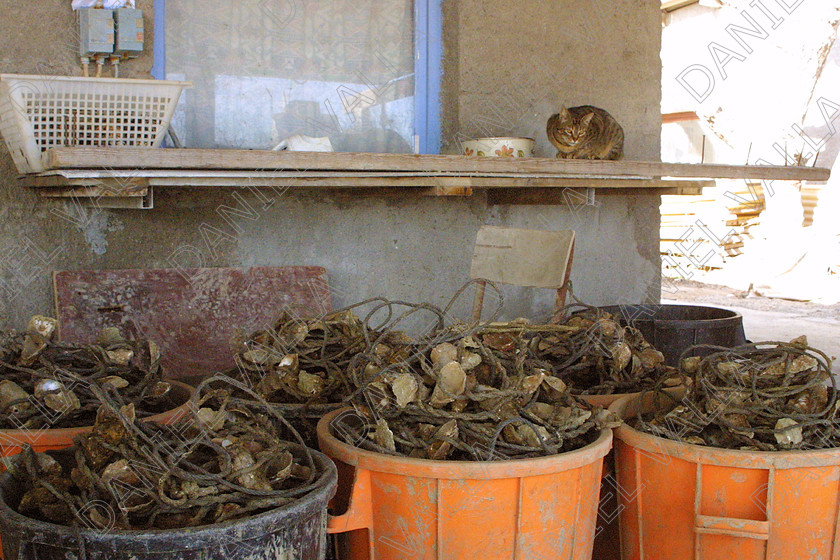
96 32
129 23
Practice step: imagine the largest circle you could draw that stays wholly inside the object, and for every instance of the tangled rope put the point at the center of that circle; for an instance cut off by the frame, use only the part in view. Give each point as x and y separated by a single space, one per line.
301 364
764 396
47 384
228 458
510 393
474 392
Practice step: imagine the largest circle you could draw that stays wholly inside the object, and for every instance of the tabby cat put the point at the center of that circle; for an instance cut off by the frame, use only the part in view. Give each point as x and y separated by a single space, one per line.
585 132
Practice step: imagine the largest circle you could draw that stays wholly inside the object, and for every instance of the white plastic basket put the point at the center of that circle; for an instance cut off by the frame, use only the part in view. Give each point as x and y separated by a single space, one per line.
42 112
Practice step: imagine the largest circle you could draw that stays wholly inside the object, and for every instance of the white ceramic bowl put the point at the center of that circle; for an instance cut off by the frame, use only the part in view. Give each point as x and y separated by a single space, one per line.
499 146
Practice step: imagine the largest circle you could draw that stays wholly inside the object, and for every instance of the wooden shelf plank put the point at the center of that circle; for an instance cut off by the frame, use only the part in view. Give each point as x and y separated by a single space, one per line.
262 160
557 196
105 186
671 5
122 180
90 192
87 174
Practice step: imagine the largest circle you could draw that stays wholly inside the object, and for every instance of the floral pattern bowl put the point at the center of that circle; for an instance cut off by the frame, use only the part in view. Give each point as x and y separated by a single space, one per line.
499 146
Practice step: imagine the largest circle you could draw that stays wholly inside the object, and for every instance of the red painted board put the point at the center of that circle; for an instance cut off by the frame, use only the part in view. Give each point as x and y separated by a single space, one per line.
192 314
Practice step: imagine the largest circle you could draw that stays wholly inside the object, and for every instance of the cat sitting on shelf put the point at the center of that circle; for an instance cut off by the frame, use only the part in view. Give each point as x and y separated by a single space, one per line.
585 132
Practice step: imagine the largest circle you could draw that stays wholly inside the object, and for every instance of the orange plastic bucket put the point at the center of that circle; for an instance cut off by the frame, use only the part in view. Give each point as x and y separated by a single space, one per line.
399 508
683 501
607 533
48 439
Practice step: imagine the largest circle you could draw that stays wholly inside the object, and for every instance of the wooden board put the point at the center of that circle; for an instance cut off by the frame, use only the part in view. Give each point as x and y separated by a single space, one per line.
192 314
523 257
78 176
47 185
92 191
571 196
671 5
151 158
117 186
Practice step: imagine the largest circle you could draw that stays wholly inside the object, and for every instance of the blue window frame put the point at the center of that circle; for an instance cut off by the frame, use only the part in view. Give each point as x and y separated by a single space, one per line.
428 40
428 51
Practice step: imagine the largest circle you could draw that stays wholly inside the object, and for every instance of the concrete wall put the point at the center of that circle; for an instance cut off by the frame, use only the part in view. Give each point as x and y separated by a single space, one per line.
508 65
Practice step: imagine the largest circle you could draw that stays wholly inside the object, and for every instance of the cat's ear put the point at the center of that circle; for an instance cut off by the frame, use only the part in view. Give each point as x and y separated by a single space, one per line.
564 114
586 119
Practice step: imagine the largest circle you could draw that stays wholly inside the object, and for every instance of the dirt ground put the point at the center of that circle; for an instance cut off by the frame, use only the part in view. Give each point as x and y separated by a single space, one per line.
697 292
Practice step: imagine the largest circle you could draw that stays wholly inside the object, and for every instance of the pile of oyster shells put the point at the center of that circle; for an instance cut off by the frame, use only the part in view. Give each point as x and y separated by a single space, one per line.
765 396
597 355
48 384
500 388
224 463
476 396
302 360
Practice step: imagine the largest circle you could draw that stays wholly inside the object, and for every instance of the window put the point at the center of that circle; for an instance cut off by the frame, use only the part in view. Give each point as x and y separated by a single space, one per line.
365 73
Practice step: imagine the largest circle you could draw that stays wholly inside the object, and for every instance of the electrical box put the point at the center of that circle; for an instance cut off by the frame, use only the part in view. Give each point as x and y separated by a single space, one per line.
129 24
96 32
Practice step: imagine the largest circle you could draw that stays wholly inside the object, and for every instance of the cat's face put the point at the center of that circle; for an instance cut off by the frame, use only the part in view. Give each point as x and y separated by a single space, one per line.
572 132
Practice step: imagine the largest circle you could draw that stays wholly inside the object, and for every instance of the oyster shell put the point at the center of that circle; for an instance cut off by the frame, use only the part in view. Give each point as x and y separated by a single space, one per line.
383 436
791 433
442 354
405 388
451 383
114 381
44 326
120 356
311 384
621 355
11 392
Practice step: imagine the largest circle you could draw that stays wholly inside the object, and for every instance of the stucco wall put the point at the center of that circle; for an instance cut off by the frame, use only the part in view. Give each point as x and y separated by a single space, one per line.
507 67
